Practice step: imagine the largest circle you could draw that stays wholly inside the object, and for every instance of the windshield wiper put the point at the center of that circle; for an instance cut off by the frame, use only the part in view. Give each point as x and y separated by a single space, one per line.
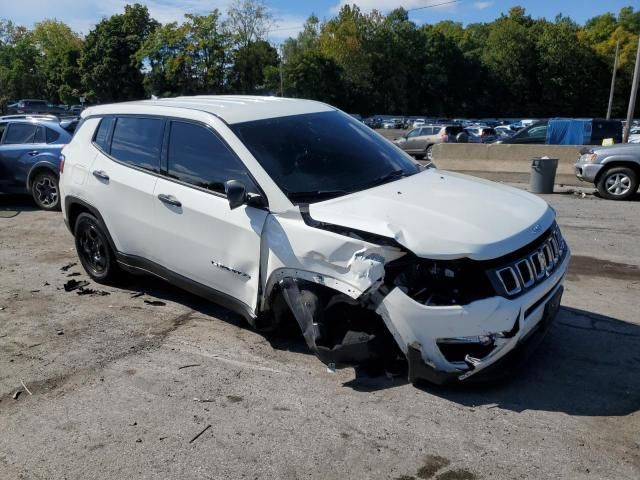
387 178
316 194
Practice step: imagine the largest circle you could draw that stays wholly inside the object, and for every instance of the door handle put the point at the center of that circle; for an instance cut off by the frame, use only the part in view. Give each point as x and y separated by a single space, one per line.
170 200
101 174
33 153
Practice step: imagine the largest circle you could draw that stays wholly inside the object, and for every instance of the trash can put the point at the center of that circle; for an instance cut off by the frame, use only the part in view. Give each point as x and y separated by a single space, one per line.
543 174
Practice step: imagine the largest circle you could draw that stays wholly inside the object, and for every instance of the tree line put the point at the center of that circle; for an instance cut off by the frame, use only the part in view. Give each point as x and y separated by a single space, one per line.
363 62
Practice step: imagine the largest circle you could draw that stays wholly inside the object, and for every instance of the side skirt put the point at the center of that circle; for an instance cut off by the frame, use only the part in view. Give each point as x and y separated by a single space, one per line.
137 265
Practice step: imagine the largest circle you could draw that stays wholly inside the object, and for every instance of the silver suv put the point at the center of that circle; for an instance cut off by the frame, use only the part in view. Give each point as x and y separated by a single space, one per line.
614 170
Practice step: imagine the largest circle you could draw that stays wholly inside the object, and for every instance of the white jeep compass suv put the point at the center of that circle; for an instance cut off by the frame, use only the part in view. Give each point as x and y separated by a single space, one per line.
275 207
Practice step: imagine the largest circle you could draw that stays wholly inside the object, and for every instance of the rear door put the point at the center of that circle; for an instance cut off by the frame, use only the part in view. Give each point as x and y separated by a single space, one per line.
17 153
122 179
197 235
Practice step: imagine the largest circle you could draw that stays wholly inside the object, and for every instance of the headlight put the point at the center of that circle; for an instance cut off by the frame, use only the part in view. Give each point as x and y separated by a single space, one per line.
588 158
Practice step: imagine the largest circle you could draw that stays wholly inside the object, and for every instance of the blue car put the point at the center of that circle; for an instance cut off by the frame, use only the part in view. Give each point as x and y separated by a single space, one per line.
30 157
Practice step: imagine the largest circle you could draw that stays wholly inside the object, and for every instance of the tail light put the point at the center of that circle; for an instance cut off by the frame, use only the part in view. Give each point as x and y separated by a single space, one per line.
61 164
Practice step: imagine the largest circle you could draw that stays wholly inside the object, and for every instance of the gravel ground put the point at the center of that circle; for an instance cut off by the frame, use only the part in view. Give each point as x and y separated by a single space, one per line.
122 388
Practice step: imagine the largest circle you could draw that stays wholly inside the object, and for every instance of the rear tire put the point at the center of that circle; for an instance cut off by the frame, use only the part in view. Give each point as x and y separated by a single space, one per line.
428 153
45 191
618 183
94 251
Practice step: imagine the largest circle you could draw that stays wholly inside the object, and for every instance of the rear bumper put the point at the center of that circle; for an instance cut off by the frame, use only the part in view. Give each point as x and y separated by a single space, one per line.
510 329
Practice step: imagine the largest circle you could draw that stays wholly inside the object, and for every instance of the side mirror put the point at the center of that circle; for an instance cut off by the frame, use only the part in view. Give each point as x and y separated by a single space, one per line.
236 193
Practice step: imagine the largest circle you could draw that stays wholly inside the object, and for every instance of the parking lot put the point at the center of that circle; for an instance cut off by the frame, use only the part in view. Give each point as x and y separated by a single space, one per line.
119 383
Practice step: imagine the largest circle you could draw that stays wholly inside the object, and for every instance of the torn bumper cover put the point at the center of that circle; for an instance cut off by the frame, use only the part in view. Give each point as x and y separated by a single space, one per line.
445 344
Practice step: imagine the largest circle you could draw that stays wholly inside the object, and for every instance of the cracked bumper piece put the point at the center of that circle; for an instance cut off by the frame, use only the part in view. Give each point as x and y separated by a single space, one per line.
483 340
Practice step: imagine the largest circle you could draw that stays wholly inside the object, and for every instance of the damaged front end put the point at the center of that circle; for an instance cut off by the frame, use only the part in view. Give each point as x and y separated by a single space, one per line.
369 300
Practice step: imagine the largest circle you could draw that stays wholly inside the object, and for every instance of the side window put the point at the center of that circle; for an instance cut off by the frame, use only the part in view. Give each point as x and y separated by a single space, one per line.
102 133
51 135
197 156
40 136
20 133
138 142
413 133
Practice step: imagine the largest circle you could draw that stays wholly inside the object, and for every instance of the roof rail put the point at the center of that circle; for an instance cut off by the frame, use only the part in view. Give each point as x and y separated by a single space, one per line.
29 115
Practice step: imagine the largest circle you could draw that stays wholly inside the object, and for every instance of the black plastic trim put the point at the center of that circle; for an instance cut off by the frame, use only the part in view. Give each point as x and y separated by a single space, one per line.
136 264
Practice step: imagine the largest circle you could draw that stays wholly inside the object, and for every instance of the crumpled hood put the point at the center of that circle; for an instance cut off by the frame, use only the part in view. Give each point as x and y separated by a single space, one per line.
443 215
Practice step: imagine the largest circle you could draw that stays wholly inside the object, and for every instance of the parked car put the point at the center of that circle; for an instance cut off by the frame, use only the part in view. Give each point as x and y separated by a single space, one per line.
419 142
277 207
504 131
30 155
373 122
532 134
481 134
614 170
76 109
634 135
419 122
394 123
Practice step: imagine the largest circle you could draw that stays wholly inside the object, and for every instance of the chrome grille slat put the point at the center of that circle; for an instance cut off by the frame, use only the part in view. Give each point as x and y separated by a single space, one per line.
519 275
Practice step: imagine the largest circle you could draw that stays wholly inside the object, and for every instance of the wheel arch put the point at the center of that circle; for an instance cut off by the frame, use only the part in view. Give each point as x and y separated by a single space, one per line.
75 206
618 163
38 168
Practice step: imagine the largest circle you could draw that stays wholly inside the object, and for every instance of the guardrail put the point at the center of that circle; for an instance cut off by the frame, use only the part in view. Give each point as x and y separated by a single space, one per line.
509 163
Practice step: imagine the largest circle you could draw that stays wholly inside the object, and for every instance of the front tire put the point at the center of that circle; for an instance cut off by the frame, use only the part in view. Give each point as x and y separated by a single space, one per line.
93 249
45 191
618 183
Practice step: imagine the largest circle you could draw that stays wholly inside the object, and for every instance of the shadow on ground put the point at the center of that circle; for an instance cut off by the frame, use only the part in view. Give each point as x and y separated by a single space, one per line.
12 205
588 365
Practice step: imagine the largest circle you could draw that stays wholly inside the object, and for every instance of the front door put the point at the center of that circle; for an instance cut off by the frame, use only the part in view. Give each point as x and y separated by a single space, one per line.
198 236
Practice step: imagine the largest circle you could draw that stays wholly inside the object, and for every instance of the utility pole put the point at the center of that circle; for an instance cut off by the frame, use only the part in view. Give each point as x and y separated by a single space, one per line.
281 74
634 95
613 81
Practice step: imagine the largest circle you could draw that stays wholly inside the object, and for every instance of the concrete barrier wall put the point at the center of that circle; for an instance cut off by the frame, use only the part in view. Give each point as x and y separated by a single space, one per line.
510 163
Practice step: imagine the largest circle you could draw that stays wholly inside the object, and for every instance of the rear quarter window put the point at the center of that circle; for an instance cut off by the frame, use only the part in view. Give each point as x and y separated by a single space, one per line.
101 138
138 142
51 135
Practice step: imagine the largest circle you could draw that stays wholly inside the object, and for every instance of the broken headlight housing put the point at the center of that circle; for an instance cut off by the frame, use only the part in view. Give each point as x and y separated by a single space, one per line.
439 283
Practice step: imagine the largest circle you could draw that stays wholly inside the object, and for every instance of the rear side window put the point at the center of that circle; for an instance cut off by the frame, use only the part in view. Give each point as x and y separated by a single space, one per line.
102 134
198 157
138 142
20 133
51 135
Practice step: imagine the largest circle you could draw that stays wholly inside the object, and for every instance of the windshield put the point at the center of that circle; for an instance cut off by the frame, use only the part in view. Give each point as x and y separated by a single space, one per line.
316 156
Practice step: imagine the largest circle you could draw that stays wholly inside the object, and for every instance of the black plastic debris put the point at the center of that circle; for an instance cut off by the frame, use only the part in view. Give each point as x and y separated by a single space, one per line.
72 285
74 274
155 303
91 291
68 266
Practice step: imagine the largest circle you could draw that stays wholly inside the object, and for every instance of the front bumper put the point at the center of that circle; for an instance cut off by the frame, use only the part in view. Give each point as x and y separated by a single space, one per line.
514 328
587 172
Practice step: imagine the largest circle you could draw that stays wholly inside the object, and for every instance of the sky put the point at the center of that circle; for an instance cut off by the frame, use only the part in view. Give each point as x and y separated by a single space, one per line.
81 15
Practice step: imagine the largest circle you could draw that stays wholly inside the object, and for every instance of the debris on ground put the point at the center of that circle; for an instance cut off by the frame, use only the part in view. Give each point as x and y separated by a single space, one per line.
201 432
25 387
68 266
91 291
59 331
34 291
203 400
155 303
74 274
45 284
17 394
136 295
189 366
72 285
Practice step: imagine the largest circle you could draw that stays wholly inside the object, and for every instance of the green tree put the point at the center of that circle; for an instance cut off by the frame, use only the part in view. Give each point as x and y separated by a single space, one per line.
109 66
247 74
59 51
